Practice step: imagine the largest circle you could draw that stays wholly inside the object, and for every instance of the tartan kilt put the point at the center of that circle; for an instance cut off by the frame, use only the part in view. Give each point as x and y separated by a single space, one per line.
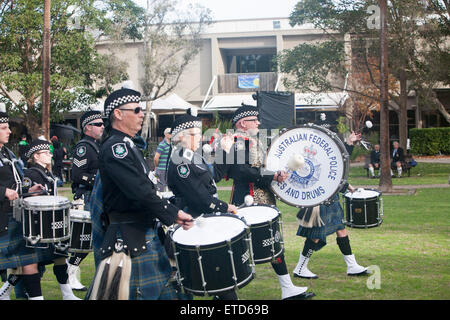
332 215
13 250
150 272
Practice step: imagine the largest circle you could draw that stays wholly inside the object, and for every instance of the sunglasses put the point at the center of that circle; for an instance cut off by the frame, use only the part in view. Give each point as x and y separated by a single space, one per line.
135 110
97 124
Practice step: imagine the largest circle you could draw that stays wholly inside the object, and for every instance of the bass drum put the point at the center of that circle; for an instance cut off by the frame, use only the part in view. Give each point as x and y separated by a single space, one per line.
316 161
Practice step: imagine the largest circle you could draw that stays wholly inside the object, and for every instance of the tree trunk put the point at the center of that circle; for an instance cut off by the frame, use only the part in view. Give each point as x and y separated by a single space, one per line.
402 114
146 123
46 71
385 174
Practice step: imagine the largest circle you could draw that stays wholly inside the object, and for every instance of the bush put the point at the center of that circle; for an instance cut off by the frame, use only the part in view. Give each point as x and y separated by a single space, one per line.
430 141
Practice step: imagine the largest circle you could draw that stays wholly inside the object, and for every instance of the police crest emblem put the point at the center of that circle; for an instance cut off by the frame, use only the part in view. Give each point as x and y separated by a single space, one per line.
81 151
120 150
183 170
27 182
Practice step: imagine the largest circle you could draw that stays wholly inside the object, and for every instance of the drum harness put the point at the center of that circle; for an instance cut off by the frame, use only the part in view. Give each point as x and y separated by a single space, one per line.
16 204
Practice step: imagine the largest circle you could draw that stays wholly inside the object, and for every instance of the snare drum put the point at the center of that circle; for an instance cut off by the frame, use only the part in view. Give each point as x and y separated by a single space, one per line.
213 256
45 219
80 231
266 230
363 208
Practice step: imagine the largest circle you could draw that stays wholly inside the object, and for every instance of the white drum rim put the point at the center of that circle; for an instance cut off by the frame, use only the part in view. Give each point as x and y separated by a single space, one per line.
262 222
84 217
30 203
350 195
213 244
343 153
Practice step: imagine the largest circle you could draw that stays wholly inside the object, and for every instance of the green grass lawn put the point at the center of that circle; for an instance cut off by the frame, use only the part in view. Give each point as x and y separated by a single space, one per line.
411 248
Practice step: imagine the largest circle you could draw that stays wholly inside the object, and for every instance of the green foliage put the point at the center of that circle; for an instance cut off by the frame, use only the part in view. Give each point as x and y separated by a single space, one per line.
74 66
430 141
342 126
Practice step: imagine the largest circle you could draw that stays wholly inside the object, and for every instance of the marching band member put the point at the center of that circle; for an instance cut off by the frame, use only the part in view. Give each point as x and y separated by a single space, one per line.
84 169
132 256
38 172
248 178
318 222
189 177
20 260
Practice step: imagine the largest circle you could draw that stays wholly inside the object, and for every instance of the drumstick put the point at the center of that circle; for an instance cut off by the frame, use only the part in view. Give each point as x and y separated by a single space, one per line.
43 192
199 221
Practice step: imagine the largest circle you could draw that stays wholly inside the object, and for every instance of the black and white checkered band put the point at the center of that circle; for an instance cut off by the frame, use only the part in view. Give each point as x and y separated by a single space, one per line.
245 114
91 118
121 101
184 126
4 119
43 146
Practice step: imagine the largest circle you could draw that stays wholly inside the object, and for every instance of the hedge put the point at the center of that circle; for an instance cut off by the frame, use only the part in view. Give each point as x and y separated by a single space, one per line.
430 141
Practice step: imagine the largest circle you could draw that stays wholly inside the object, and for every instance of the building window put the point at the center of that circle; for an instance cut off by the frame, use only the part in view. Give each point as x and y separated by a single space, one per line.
276 24
250 63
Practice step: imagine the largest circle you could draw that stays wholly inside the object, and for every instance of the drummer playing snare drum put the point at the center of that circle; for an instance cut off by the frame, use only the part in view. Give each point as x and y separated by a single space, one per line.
190 178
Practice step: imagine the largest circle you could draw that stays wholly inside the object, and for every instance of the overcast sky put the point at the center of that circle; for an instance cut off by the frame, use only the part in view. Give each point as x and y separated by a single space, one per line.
242 9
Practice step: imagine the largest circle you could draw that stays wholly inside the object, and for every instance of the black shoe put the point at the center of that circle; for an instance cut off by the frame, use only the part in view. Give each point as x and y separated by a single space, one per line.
399 177
302 296
298 276
372 177
364 273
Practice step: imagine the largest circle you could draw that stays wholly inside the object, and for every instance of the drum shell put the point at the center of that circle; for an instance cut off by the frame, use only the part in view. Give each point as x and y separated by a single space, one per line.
216 267
263 237
47 222
80 234
356 210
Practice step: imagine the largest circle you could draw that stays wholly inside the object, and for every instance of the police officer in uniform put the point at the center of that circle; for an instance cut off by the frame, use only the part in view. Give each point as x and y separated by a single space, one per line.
84 169
131 205
332 217
189 176
38 172
20 260
249 178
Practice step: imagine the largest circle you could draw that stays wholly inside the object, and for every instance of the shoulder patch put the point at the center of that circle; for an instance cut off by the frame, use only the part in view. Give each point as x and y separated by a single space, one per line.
81 151
27 182
119 150
183 170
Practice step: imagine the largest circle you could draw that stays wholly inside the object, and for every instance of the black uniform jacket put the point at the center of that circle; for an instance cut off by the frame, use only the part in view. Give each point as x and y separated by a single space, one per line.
85 164
398 156
6 181
192 183
127 189
244 175
37 174
375 156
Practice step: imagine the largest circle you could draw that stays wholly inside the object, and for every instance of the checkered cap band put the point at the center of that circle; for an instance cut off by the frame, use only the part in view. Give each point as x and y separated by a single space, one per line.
91 118
244 114
4 118
185 125
120 97
37 145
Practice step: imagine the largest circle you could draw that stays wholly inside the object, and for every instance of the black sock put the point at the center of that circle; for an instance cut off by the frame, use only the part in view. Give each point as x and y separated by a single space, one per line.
279 265
77 258
32 284
344 245
308 247
60 272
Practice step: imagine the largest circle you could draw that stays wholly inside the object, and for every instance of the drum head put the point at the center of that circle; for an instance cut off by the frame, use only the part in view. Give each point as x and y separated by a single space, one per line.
324 170
258 214
45 201
362 194
211 230
79 215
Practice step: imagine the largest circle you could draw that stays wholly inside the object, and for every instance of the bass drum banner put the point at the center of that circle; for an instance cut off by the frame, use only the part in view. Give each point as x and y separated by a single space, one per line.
316 161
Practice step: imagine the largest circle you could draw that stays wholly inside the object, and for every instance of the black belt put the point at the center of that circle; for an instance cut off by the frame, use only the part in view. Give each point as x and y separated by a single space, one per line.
141 218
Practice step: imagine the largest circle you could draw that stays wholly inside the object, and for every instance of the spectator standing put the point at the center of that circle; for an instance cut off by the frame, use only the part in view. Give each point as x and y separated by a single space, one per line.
160 160
58 156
